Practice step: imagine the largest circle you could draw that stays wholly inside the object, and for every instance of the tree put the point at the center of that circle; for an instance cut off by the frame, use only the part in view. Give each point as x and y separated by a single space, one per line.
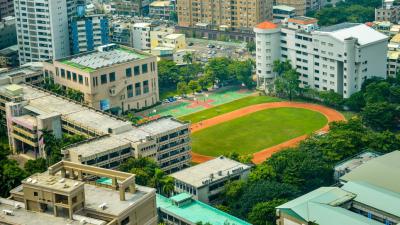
264 213
381 115
281 67
35 166
194 86
242 71
331 98
182 88
217 70
143 168
168 185
11 176
168 74
187 58
251 46
288 83
356 101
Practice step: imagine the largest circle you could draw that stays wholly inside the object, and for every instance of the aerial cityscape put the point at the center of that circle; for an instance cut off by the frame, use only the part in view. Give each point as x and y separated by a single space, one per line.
199 112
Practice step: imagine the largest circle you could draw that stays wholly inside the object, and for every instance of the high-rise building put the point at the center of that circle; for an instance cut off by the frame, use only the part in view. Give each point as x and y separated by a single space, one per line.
88 32
222 14
42 29
162 9
8 34
6 8
388 12
130 7
336 58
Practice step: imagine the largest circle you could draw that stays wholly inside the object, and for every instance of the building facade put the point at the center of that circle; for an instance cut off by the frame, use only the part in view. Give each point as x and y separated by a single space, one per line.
162 9
8 32
9 57
336 58
388 12
220 14
42 30
282 12
141 36
112 78
109 140
88 32
6 8
69 193
301 6
130 7
393 56
205 181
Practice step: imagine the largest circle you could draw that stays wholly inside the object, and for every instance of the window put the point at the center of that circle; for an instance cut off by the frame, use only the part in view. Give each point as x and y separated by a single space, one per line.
128 72
35 193
62 73
95 81
144 68
138 90
125 221
103 79
136 70
80 79
74 76
146 87
129 91
112 76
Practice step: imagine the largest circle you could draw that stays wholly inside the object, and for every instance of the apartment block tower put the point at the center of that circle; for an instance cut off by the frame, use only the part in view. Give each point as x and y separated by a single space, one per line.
336 58
6 8
222 14
42 29
88 31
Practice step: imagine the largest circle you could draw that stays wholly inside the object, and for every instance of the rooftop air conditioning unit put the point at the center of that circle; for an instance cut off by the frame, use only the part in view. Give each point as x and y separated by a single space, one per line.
103 206
8 212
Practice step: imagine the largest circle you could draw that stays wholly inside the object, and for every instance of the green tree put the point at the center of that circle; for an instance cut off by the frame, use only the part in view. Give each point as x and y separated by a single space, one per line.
11 176
281 67
182 88
356 101
331 98
251 46
168 74
188 58
381 115
168 185
287 84
264 213
217 70
194 86
143 168
36 166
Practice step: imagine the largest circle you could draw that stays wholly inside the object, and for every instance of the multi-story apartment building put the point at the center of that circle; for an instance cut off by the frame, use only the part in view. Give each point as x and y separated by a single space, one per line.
205 181
370 195
8 33
282 12
130 7
161 9
6 8
110 140
112 78
121 33
141 35
336 58
393 56
221 14
9 57
42 30
70 193
301 6
388 12
88 32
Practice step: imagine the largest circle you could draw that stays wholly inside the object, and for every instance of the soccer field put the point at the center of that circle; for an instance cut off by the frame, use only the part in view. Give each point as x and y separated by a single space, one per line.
257 131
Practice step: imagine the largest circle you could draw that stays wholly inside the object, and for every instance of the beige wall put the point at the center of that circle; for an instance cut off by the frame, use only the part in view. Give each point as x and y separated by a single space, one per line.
94 91
236 14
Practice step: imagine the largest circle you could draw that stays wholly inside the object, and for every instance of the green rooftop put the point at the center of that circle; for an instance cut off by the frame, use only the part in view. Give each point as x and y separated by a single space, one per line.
196 211
107 56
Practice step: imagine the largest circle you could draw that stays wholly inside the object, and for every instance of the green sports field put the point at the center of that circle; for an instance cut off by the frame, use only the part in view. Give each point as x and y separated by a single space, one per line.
257 131
228 107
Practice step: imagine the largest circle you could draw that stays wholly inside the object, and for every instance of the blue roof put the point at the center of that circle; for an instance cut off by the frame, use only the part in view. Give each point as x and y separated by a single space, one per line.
196 211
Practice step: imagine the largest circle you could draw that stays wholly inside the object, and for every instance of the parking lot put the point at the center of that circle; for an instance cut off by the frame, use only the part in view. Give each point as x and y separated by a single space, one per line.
207 49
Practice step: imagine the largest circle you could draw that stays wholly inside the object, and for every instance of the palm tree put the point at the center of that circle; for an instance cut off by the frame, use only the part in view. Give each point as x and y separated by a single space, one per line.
158 177
168 185
188 58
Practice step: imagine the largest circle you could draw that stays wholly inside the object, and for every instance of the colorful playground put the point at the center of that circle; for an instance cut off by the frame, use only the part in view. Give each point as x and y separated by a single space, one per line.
198 103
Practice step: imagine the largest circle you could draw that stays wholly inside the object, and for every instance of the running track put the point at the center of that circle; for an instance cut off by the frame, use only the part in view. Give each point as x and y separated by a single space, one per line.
259 157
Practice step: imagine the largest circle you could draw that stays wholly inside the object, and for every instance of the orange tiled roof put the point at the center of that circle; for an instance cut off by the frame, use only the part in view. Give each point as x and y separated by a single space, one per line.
267 25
